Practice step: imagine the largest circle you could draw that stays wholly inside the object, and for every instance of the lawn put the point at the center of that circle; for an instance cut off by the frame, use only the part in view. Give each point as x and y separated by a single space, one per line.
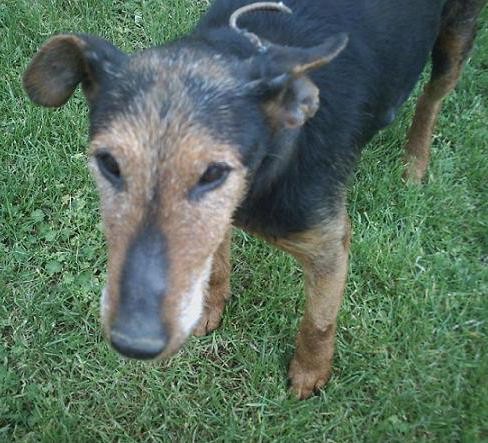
411 361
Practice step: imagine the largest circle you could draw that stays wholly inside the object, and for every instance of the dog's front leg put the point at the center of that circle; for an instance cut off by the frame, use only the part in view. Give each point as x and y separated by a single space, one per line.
323 253
218 291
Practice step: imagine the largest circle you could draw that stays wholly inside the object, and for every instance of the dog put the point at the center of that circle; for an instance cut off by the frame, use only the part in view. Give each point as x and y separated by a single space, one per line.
256 119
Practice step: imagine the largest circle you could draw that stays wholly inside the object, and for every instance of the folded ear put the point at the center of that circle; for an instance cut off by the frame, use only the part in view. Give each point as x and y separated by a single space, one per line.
67 60
290 97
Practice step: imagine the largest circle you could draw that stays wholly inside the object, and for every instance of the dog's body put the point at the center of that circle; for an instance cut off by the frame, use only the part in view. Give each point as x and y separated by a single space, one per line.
224 127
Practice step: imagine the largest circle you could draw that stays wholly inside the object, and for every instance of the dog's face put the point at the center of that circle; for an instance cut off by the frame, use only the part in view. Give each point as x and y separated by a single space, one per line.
169 184
176 135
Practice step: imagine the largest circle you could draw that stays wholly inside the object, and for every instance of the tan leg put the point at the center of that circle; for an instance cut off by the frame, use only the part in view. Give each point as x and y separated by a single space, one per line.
323 253
450 51
420 136
219 289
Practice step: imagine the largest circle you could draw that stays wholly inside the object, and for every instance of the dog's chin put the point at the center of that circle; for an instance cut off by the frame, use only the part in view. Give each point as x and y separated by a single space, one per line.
173 347
177 342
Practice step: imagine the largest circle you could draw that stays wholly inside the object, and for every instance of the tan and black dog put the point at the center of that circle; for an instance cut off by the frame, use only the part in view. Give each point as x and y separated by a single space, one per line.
255 119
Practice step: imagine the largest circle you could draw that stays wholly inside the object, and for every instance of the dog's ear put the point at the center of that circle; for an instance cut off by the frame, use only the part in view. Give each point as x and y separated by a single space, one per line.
67 60
290 98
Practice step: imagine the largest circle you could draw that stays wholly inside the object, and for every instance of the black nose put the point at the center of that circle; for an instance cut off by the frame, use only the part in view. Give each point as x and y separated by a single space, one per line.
137 329
144 343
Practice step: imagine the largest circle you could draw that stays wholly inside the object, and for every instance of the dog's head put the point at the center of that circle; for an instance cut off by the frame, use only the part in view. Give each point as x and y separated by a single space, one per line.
176 134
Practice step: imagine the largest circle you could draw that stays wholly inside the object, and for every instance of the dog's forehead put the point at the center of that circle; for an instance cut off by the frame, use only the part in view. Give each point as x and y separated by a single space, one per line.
160 83
163 97
179 62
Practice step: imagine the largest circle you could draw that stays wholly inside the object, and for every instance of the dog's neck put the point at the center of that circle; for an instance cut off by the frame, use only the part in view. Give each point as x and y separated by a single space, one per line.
280 153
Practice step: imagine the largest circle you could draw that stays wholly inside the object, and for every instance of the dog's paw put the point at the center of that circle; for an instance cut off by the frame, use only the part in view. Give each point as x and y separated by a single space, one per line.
209 320
414 172
305 381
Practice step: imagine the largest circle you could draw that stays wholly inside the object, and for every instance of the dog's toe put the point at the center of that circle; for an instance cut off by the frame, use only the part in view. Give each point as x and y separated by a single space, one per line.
305 381
209 321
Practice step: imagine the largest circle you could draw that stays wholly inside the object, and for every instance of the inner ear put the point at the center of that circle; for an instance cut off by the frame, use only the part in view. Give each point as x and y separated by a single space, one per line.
65 61
298 102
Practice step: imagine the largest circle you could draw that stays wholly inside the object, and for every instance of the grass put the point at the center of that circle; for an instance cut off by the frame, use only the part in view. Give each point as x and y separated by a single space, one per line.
411 362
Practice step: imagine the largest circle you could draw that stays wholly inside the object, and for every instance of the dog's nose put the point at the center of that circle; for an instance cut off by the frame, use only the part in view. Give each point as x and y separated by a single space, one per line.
137 328
142 341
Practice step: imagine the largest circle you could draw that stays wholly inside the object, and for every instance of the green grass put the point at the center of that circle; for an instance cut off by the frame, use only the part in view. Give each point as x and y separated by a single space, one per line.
411 362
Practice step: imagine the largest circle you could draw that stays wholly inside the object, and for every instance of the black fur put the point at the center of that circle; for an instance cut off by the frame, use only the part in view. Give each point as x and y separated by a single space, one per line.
360 93
298 176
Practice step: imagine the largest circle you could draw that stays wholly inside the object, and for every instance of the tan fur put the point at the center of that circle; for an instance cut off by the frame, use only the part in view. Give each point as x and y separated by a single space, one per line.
323 254
218 290
160 164
454 45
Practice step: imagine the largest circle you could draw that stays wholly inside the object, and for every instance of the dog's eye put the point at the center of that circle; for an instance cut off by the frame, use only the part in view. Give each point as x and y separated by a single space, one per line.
212 178
215 174
109 168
